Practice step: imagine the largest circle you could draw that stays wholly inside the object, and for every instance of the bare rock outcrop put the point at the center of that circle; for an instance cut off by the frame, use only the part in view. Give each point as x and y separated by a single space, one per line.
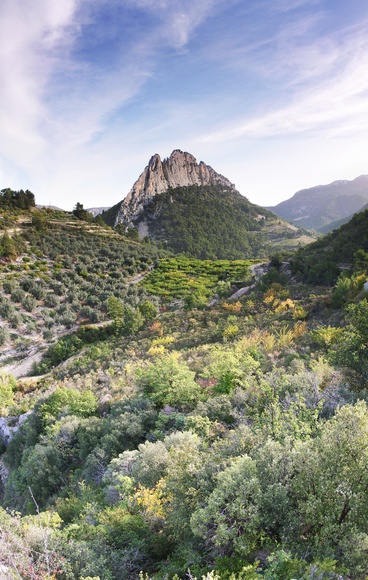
180 169
9 426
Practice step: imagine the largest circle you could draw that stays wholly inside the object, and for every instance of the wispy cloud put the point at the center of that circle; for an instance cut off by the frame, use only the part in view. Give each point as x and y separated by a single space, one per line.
69 70
288 5
177 19
34 34
326 88
51 93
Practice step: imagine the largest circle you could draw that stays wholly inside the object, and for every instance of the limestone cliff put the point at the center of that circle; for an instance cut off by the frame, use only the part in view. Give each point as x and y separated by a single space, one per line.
180 169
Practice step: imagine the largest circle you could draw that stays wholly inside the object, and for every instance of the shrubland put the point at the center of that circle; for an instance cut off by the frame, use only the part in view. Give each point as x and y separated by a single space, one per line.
64 276
178 439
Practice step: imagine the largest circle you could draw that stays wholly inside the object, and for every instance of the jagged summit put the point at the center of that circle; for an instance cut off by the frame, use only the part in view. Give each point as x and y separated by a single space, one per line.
190 208
178 170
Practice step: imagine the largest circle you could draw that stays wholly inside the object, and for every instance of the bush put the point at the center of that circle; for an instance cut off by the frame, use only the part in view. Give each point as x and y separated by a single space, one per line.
6 310
51 300
169 382
9 286
18 295
71 401
7 386
4 335
148 310
29 303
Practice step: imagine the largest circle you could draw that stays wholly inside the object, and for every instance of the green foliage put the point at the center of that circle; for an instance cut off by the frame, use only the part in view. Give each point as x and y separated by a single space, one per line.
272 277
229 523
169 382
4 336
228 369
319 262
81 213
133 321
7 386
196 299
126 320
223 289
10 199
41 470
283 565
115 309
69 401
71 268
109 215
56 354
11 247
213 222
341 291
330 481
240 455
351 348
132 234
194 279
231 331
148 310
40 220
99 221
361 261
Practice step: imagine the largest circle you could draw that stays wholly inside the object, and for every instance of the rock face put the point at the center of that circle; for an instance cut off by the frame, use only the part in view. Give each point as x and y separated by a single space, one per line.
97 210
9 426
180 169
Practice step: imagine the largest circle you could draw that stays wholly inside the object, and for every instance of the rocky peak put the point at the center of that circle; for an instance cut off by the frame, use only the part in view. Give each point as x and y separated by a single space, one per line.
178 170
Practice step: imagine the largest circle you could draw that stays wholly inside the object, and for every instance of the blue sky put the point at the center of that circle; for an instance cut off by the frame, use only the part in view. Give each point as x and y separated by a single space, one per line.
273 94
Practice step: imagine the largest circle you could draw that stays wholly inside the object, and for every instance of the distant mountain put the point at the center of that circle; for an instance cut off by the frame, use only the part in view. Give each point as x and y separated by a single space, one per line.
53 207
338 223
96 210
322 261
318 206
189 207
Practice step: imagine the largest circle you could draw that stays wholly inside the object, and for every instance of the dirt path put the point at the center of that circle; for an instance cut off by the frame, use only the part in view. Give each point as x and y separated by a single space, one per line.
257 270
138 277
21 362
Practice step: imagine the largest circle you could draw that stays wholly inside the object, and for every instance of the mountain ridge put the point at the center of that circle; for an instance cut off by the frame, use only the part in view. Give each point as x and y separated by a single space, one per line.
338 223
317 206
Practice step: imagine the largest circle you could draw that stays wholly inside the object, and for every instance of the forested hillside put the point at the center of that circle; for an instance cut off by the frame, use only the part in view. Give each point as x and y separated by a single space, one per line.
172 430
322 261
214 222
109 215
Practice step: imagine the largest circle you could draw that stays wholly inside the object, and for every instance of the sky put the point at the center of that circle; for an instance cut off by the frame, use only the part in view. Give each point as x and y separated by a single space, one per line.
273 94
